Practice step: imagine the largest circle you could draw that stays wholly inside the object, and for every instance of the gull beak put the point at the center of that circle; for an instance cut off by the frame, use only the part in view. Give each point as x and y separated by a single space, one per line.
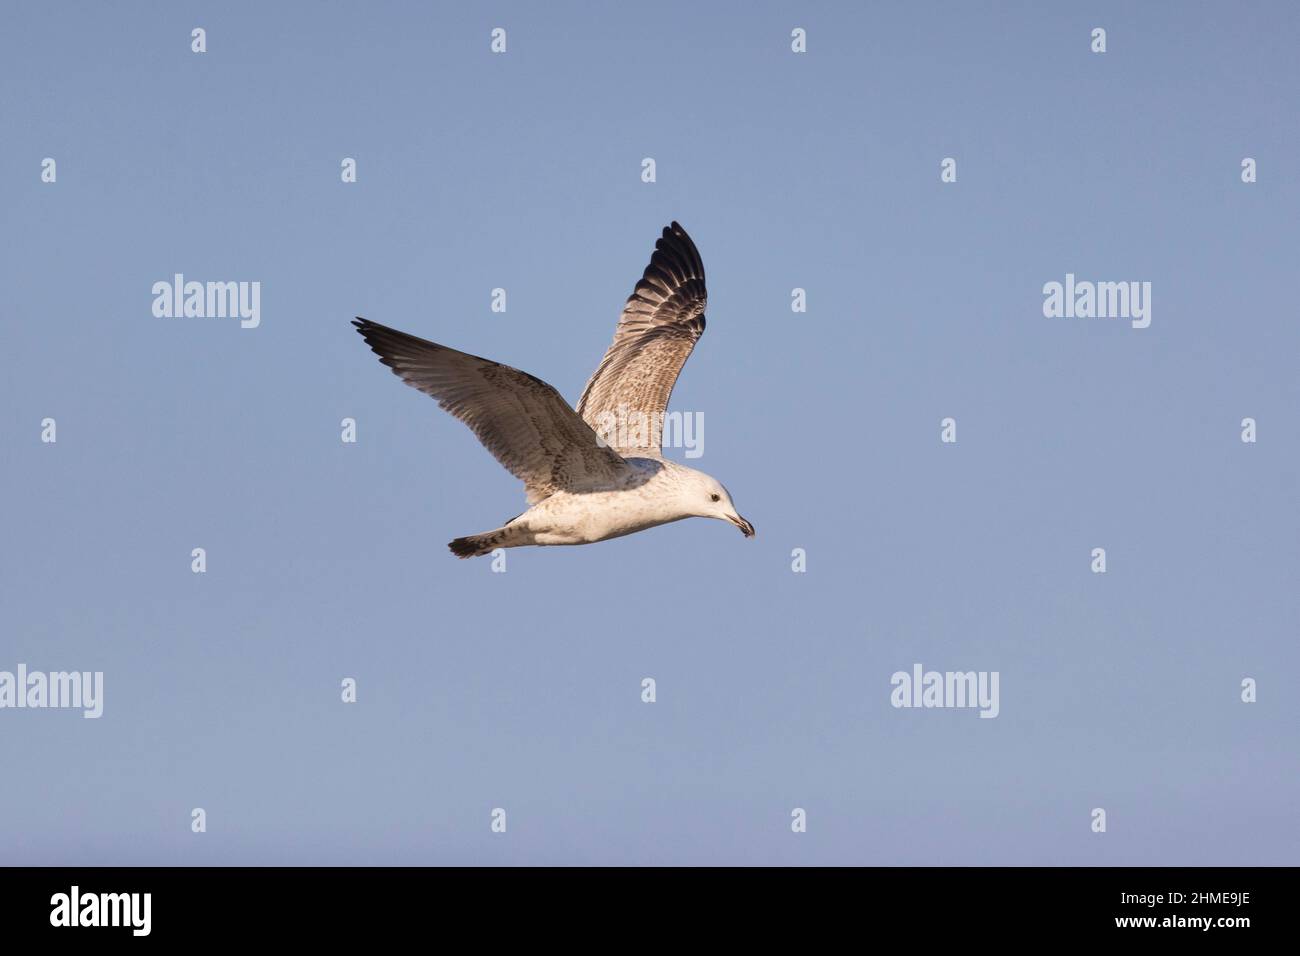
745 527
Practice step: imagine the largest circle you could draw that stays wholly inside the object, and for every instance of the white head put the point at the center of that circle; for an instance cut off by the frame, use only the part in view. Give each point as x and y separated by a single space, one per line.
703 496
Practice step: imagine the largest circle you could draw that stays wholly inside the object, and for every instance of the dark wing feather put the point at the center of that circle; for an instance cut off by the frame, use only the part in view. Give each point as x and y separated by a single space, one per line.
660 324
521 420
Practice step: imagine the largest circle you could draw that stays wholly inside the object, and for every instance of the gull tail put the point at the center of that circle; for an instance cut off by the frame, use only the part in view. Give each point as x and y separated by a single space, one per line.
474 545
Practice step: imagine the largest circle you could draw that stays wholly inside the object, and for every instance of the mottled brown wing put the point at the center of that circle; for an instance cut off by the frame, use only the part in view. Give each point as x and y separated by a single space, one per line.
664 317
521 420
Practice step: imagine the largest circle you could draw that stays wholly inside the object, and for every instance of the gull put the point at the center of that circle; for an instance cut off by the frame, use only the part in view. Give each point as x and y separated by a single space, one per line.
587 476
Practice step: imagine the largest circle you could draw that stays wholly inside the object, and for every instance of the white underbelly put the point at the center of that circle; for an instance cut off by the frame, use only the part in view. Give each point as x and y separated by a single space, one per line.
582 519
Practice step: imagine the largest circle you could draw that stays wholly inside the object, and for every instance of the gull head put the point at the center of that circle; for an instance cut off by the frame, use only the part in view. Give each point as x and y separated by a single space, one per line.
704 497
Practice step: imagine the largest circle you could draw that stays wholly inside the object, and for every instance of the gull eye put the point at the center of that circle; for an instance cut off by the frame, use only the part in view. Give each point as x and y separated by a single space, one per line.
715 497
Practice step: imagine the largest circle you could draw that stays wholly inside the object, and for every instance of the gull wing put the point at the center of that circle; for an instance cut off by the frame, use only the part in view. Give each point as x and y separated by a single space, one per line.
525 423
626 398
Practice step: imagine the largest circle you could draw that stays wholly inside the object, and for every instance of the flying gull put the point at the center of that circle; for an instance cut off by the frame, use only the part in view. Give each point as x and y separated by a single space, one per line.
582 486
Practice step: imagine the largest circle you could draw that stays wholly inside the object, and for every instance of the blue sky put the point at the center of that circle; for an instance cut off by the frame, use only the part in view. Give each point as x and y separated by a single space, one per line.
522 690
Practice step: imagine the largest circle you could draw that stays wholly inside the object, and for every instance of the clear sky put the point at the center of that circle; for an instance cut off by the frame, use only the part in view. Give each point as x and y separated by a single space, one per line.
522 690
